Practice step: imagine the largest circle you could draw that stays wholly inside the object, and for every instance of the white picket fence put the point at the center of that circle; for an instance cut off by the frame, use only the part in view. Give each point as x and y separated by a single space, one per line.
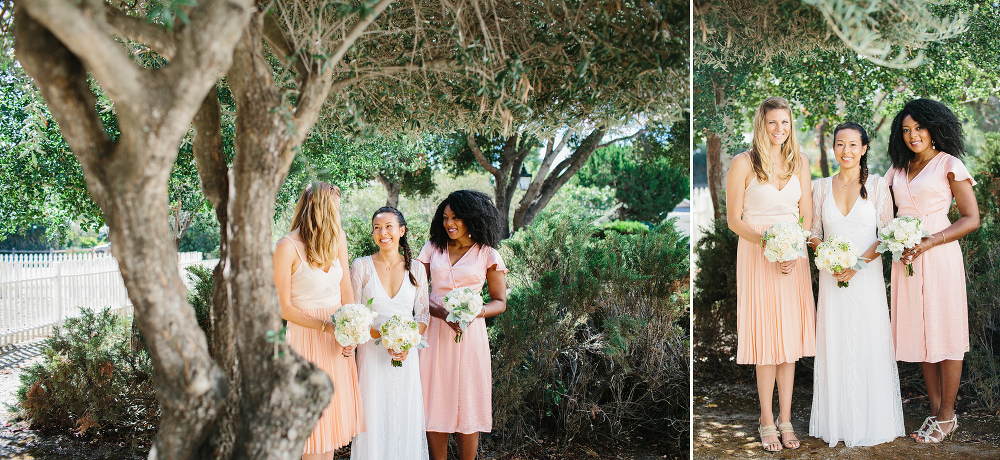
702 214
38 291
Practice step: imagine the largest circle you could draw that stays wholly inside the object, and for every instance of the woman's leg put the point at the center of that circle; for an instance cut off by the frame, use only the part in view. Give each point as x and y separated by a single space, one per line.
942 380
785 377
323 456
437 444
468 445
765 392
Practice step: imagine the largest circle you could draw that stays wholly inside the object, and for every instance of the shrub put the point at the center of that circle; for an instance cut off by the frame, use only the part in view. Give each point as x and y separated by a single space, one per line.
200 298
714 303
624 227
90 381
594 342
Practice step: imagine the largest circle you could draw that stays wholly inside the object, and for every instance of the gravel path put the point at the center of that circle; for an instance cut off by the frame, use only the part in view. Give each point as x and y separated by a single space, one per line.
14 358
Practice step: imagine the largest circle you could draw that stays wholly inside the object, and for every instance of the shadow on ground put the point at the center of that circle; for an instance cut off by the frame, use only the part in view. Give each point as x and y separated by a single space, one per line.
725 427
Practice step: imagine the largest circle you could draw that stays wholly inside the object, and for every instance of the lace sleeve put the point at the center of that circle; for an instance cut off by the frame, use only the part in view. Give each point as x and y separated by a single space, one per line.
883 200
359 279
819 191
421 301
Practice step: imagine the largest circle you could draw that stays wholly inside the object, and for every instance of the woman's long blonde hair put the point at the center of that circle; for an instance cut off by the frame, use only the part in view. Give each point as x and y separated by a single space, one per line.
760 156
317 216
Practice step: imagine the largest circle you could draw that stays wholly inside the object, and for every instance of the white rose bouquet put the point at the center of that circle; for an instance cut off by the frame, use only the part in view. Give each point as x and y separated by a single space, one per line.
785 241
836 254
352 324
399 335
463 306
902 233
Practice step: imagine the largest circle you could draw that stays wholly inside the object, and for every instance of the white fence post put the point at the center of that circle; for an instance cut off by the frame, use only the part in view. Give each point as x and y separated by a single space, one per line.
57 281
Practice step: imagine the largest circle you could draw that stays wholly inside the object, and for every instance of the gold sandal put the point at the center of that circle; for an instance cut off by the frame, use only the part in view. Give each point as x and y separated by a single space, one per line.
787 428
766 431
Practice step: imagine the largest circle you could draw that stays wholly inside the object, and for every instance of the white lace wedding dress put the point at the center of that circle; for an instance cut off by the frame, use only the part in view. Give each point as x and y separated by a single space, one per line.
392 397
856 384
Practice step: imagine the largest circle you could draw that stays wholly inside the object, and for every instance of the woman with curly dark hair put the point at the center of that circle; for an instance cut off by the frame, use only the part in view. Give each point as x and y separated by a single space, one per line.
456 376
930 322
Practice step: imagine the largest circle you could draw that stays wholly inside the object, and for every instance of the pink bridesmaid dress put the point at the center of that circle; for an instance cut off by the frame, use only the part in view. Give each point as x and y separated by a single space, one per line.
317 293
456 378
930 317
775 313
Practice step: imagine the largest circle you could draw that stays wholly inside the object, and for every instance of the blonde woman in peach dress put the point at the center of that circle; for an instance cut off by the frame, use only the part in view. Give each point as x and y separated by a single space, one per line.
456 376
775 310
930 318
309 276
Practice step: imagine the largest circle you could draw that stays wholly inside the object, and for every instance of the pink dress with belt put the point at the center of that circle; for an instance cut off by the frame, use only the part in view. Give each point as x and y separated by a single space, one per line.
456 378
930 316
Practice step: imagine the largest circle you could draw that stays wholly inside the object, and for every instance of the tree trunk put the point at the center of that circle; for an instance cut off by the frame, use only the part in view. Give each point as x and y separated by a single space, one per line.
58 44
392 189
550 182
504 180
824 164
714 163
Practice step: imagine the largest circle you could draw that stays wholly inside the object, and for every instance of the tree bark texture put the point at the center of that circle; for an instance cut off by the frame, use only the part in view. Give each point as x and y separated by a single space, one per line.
714 163
58 42
505 177
824 164
546 182
392 189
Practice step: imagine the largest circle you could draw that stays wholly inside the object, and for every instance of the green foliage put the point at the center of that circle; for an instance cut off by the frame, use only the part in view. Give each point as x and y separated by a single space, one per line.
982 269
625 227
202 236
200 298
648 175
91 381
593 343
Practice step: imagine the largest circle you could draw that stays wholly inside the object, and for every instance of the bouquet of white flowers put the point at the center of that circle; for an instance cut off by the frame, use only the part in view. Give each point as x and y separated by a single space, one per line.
352 324
399 335
838 253
902 233
463 306
785 241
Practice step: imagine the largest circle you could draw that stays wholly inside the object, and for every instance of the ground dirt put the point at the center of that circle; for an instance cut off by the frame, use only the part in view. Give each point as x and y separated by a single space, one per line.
725 427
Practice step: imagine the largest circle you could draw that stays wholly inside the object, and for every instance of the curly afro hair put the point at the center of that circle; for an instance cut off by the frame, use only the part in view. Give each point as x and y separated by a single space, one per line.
944 127
477 212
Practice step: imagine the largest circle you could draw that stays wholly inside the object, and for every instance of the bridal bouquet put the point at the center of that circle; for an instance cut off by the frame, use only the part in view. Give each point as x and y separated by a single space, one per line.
836 254
902 233
463 306
399 335
785 241
352 324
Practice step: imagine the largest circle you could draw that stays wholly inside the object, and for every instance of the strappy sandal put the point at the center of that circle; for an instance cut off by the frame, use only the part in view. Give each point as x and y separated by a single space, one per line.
925 437
923 426
787 428
766 431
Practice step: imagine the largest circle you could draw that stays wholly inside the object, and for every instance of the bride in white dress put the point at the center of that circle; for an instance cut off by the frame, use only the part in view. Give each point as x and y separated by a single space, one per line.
392 397
856 383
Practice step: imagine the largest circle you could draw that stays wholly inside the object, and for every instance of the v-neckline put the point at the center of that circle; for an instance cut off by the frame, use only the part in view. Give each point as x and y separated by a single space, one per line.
379 279
853 205
448 252
775 187
915 176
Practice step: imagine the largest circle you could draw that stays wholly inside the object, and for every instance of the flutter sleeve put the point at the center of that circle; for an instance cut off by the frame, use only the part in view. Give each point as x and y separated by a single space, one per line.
494 260
883 199
425 253
956 166
421 301
819 192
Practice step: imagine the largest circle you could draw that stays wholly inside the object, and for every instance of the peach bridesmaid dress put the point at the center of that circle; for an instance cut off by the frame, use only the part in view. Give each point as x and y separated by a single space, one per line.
456 377
775 313
930 316
317 293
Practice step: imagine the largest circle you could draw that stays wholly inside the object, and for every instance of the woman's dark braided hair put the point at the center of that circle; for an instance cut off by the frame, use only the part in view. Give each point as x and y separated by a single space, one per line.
944 127
407 258
864 158
477 212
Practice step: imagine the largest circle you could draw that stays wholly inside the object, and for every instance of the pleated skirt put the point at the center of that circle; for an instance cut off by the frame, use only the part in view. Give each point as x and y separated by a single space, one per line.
343 418
775 313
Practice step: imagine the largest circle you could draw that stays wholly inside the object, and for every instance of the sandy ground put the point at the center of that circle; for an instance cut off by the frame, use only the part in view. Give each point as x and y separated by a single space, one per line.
725 427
